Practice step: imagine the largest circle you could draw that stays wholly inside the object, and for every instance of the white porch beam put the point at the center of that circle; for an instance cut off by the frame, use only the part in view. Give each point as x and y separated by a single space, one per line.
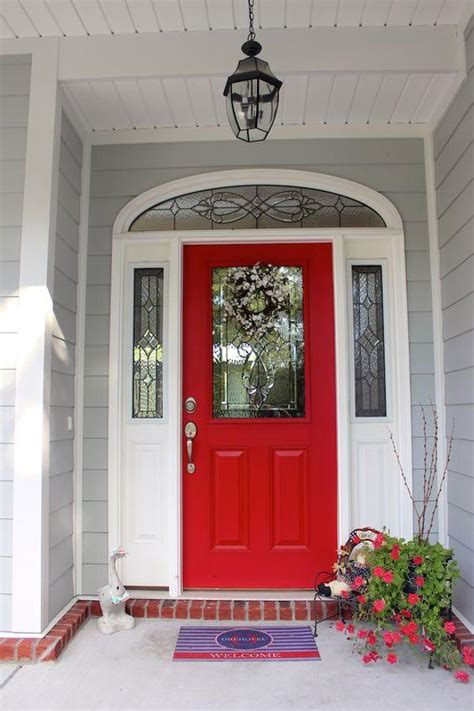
322 49
30 578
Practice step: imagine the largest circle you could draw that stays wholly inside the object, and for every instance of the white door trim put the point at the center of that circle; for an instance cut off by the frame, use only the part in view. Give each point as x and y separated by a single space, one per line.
122 239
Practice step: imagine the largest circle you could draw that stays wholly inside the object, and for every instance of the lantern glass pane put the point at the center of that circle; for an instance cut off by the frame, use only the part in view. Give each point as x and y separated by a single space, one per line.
251 108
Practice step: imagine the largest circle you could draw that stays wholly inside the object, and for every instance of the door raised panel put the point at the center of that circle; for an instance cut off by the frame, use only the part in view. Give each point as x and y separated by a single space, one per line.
229 498
289 497
147 490
373 492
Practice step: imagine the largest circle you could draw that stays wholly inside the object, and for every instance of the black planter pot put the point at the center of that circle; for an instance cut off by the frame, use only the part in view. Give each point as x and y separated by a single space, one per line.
410 585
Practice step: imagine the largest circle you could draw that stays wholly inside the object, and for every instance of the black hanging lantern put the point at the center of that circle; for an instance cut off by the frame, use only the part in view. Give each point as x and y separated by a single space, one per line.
252 92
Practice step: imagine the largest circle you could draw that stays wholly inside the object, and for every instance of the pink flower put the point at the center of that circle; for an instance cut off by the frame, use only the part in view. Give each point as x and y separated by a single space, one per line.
450 627
418 560
350 628
378 571
362 634
379 605
370 657
379 540
428 645
340 626
414 639
410 628
461 676
395 552
468 656
387 577
406 613
358 582
388 638
361 599
420 581
396 637
371 639
392 658
345 594
413 599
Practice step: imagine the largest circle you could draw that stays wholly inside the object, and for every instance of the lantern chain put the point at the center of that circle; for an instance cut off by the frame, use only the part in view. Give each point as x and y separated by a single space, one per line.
251 35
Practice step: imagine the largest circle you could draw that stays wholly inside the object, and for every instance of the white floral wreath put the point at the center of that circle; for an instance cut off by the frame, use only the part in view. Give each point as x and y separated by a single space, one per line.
255 297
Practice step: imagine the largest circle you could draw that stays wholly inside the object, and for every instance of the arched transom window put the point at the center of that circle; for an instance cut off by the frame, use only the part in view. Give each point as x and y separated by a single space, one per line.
256 207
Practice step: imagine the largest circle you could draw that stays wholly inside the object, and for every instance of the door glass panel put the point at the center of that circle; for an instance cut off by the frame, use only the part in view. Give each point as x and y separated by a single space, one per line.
258 341
369 347
147 401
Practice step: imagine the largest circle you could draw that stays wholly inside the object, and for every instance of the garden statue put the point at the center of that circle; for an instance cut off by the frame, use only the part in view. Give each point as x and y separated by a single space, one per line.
112 598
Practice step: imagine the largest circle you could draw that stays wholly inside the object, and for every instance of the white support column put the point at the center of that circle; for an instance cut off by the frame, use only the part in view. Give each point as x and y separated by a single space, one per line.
30 583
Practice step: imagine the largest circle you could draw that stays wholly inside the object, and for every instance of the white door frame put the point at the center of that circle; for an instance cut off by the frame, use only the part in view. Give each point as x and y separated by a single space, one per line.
122 239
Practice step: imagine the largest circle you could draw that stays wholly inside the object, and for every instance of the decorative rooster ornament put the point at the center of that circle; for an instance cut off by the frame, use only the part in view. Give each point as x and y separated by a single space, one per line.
112 598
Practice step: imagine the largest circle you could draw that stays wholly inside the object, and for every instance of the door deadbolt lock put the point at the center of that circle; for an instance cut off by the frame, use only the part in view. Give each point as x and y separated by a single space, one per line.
190 405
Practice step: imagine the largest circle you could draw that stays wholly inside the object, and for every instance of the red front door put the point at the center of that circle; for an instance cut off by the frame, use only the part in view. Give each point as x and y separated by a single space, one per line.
260 509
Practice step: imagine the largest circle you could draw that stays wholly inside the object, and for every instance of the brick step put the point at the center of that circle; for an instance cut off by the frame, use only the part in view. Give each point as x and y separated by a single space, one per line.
227 610
49 647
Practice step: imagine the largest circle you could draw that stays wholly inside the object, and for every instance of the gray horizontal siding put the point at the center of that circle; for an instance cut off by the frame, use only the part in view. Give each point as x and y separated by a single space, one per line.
454 169
14 99
119 173
63 370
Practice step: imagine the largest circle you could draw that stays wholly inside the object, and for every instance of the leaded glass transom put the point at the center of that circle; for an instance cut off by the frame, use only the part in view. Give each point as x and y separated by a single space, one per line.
369 346
258 341
256 207
147 401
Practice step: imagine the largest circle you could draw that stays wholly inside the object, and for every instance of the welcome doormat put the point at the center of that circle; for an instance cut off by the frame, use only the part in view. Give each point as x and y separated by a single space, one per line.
251 644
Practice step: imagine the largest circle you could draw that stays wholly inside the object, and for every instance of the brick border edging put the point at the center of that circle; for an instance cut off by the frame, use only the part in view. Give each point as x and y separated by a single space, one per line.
49 647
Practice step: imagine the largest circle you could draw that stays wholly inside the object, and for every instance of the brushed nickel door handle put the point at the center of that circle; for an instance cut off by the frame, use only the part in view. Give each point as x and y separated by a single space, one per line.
190 431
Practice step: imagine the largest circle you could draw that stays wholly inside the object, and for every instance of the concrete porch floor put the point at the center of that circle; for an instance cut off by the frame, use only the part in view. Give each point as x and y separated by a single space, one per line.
133 670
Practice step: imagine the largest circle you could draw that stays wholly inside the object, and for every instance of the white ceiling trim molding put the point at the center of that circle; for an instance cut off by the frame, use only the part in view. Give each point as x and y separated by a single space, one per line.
223 133
258 176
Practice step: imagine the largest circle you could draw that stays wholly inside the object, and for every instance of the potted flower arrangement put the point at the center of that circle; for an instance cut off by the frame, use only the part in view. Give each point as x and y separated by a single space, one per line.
407 599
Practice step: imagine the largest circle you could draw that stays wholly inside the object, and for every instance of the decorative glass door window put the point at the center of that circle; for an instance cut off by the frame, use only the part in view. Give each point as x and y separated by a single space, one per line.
368 339
147 400
258 341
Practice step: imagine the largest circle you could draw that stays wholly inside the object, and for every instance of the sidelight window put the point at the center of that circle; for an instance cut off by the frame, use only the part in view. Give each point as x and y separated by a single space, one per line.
147 398
368 341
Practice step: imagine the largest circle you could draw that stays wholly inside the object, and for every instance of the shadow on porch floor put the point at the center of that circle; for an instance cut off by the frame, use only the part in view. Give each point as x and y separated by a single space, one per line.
132 670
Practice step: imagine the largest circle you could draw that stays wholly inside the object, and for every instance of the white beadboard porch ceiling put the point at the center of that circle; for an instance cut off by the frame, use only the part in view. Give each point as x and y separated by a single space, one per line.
191 98
317 99
41 18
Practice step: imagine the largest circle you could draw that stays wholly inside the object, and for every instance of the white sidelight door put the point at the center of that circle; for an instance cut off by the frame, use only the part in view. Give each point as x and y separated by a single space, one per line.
142 446
379 385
